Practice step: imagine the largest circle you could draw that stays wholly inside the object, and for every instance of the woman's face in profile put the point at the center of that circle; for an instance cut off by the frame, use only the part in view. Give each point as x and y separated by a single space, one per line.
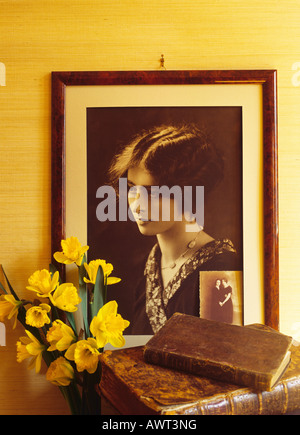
142 202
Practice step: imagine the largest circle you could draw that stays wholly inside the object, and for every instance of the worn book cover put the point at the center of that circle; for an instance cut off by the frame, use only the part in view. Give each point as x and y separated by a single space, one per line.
134 387
240 355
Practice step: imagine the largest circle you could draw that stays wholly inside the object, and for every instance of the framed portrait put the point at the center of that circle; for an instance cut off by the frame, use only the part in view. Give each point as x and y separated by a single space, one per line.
100 117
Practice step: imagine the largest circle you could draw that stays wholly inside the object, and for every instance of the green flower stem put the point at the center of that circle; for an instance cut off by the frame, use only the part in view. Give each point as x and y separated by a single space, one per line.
105 292
91 400
72 397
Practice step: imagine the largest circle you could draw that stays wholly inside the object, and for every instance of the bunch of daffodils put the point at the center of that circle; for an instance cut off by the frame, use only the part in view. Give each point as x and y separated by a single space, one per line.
71 355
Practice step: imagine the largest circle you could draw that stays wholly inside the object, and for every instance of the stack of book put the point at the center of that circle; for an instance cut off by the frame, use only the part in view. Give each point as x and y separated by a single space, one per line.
197 366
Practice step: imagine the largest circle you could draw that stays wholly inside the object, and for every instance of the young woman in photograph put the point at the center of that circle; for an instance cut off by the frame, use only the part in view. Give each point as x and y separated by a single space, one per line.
172 156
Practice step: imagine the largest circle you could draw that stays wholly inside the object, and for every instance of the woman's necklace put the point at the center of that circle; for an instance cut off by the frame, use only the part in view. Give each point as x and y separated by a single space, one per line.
190 246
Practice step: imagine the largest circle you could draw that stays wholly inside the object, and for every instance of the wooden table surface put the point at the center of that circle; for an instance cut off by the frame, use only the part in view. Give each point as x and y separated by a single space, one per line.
22 391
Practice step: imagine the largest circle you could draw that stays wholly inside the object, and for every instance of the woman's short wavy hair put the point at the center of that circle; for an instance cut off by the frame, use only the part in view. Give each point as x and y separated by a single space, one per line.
174 155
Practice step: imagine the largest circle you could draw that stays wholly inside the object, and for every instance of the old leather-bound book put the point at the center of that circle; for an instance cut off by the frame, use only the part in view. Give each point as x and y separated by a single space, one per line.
245 356
134 387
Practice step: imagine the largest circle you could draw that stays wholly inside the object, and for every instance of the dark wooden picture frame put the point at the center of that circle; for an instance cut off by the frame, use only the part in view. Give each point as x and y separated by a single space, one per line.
266 78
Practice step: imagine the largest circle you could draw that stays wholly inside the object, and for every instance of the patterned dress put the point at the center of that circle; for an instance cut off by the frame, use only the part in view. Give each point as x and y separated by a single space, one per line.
155 304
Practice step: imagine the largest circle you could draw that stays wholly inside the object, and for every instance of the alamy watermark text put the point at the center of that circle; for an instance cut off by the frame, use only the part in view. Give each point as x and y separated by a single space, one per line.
151 203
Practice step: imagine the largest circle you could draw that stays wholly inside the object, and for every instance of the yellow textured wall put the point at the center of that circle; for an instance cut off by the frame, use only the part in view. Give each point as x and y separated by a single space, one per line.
37 37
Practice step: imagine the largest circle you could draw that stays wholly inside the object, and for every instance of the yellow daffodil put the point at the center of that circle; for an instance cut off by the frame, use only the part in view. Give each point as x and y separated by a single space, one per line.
108 326
72 251
85 354
60 372
43 283
9 307
60 336
66 297
92 269
37 316
30 347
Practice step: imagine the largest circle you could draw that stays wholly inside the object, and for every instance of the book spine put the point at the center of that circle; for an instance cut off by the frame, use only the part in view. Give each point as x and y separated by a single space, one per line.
284 398
208 369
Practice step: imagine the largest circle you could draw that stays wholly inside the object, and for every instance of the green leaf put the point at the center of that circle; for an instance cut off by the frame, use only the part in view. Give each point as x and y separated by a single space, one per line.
99 293
83 295
71 320
10 287
3 289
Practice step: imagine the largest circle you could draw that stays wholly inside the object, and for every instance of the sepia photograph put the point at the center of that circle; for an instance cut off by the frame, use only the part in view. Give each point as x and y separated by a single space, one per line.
159 259
221 296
